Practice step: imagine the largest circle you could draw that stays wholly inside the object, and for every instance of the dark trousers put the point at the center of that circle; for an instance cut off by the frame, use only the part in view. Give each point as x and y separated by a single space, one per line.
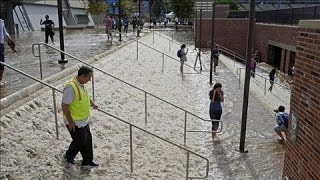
81 142
47 34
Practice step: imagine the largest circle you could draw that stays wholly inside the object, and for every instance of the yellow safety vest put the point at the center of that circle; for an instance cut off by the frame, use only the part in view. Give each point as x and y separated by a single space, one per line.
80 106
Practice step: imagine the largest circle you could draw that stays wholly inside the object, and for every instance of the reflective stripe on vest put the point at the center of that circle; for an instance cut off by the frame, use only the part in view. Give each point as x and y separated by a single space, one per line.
80 106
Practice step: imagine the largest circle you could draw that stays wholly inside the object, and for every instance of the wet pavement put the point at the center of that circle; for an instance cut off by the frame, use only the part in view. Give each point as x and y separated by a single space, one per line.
152 158
83 44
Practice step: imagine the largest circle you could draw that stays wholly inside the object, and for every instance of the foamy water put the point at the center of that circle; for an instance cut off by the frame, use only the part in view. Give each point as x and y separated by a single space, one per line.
29 149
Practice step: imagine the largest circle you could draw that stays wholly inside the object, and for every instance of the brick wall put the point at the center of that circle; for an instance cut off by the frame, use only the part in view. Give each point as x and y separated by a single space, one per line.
230 33
283 34
302 158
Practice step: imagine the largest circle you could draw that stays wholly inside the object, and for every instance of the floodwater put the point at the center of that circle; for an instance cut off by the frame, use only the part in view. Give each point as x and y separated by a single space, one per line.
83 44
32 152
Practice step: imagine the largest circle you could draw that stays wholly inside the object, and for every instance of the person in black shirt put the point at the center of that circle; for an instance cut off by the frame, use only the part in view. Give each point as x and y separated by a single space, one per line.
49 27
215 52
271 78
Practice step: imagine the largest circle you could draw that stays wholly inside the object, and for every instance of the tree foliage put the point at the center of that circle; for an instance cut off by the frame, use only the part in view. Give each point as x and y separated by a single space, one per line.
126 7
95 7
233 4
183 9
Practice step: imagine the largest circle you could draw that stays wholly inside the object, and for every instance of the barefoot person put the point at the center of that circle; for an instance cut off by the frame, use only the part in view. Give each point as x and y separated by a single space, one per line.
76 109
216 98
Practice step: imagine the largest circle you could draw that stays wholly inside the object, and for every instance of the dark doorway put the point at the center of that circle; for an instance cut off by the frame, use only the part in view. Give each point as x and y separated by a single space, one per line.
291 63
274 56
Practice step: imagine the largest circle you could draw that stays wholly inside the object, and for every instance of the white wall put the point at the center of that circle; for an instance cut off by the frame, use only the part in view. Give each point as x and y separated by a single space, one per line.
37 12
82 11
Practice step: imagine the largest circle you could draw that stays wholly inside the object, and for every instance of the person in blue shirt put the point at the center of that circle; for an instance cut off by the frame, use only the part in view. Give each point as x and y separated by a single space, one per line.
282 119
216 98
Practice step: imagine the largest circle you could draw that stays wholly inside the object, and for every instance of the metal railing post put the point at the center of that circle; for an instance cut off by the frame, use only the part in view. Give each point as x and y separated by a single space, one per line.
162 62
40 61
145 108
169 45
92 83
265 86
131 153
137 50
55 112
239 78
185 128
153 37
187 166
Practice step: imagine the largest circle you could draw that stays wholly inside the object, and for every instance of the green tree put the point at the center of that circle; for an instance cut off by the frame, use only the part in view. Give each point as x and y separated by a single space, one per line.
233 4
126 7
95 7
184 9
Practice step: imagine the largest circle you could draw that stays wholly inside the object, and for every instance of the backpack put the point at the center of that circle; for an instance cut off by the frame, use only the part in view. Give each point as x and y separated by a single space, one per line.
179 53
284 119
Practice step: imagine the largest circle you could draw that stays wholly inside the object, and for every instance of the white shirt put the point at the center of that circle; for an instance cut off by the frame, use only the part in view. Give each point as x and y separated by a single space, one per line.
3 32
67 98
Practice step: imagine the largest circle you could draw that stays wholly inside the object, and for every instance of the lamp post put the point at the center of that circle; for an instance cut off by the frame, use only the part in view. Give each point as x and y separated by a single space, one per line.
62 60
150 3
120 23
212 38
139 8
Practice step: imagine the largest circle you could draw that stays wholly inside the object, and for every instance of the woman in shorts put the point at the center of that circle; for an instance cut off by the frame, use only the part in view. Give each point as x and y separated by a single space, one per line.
216 98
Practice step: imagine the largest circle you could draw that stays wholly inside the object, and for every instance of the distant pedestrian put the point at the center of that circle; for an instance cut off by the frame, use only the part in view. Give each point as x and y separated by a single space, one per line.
49 29
271 78
134 23
154 21
165 22
114 23
126 25
4 36
216 54
176 22
257 55
253 65
215 110
108 23
282 119
139 26
182 54
76 110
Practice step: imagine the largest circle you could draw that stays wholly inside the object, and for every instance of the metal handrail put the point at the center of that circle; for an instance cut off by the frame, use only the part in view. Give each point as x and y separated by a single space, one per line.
130 126
265 80
163 54
145 92
46 84
154 135
167 38
235 55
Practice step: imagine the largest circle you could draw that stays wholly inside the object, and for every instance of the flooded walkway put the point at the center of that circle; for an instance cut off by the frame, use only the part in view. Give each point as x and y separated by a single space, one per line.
33 152
83 44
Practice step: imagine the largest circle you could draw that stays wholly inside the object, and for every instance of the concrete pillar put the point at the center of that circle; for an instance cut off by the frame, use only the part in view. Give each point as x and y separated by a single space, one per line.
6 14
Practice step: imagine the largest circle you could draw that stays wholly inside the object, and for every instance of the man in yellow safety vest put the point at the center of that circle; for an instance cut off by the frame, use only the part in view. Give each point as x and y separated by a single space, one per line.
76 109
